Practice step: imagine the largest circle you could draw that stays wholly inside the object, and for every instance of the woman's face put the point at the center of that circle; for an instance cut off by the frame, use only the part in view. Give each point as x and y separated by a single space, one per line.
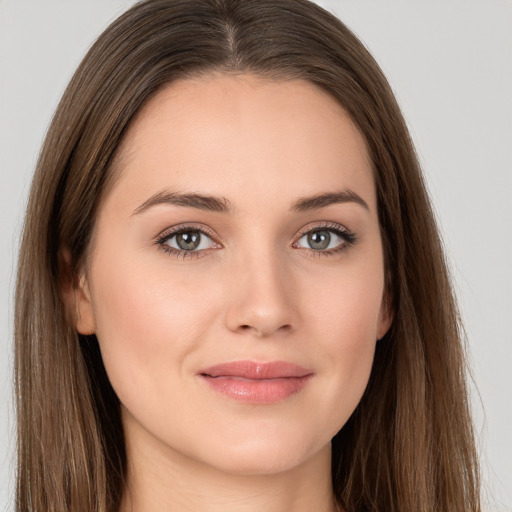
235 279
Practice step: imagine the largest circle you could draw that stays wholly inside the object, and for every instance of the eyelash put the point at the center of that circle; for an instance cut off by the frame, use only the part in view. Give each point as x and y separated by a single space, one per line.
169 234
346 235
349 238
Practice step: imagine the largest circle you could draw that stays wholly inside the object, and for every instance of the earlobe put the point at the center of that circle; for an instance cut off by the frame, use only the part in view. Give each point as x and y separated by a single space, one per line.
85 315
75 294
386 316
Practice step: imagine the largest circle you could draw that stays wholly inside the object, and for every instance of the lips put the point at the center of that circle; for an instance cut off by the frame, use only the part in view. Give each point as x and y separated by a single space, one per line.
255 382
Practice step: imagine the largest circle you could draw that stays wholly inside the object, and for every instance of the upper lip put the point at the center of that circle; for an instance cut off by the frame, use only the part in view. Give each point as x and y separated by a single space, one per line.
256 370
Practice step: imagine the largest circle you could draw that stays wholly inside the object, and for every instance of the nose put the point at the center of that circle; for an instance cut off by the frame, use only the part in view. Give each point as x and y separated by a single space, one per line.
261 297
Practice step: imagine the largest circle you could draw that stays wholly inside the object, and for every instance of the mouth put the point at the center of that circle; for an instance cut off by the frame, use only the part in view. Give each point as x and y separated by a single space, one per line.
255 382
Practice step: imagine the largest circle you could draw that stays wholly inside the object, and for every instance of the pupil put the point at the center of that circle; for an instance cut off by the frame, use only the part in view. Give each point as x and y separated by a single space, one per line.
188 240
319 240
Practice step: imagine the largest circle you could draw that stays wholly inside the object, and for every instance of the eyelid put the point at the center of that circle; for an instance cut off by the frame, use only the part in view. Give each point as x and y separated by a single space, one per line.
349 238
187 226
168 233
322 225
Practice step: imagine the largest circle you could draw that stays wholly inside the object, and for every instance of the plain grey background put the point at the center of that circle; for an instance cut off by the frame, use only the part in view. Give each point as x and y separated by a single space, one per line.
450 64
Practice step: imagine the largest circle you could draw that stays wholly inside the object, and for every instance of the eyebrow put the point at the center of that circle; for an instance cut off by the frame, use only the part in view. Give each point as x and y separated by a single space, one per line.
199 201
223 205
323 200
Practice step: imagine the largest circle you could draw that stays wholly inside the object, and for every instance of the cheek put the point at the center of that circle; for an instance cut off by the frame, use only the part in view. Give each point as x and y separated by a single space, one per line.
147 321
349 303
346 318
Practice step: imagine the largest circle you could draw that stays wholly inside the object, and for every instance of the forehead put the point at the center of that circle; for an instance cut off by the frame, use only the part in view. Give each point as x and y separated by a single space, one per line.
223 134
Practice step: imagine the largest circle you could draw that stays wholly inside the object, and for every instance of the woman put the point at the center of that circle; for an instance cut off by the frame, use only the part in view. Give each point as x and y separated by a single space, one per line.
231 291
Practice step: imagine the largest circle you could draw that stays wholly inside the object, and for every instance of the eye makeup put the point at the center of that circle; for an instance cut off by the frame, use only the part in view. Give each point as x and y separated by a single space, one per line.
186 241
196 240
321 235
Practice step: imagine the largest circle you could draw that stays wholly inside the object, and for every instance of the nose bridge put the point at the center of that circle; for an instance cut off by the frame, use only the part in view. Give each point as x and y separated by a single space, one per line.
260 292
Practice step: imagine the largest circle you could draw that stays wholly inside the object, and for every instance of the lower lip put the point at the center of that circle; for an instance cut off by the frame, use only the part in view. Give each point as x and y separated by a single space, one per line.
257 391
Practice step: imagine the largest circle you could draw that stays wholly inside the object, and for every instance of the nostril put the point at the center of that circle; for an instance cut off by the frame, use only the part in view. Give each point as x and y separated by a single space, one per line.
263 332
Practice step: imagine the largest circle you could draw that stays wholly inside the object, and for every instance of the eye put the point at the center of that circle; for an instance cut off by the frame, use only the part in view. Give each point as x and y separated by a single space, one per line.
186 241
325 239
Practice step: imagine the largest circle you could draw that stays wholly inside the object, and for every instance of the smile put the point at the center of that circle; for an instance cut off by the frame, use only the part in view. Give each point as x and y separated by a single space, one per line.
257 383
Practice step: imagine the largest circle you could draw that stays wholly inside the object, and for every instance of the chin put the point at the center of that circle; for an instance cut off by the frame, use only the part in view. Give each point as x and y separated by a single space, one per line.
265 456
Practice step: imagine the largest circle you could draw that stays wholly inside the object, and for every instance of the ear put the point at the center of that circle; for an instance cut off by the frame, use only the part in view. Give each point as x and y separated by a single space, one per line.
386 315
75 294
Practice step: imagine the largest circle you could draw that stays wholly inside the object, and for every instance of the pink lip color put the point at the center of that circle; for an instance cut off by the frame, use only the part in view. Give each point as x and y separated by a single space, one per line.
258 383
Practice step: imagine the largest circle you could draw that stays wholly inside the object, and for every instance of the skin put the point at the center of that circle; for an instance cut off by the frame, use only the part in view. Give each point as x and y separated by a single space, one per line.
257 291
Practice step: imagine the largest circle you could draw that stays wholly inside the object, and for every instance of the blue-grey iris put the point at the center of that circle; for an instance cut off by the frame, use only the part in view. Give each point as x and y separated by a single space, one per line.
319 240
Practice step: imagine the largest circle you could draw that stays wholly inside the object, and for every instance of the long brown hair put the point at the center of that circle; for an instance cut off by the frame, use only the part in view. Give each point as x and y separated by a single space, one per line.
409 444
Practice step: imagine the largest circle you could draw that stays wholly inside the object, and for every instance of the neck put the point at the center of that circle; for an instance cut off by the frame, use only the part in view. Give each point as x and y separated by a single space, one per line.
165 480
